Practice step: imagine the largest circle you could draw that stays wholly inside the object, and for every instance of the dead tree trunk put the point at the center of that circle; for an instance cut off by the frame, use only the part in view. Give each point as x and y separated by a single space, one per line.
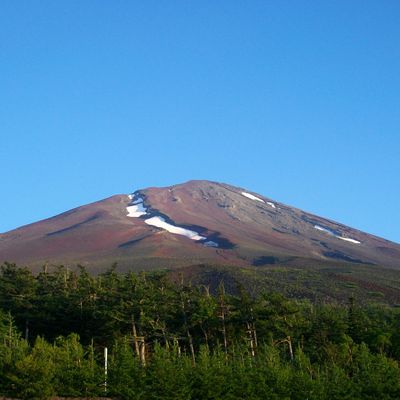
289 341
250 334
222 316
142 350
191 348
135 337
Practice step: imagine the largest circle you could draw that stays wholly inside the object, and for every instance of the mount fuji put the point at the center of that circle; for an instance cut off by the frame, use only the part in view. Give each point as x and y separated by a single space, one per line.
198 222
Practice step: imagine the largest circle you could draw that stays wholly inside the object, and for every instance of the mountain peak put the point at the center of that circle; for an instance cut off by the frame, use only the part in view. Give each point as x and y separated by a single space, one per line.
198 221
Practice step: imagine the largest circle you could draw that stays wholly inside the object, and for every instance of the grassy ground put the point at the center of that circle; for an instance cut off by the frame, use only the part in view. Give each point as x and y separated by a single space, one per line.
326 283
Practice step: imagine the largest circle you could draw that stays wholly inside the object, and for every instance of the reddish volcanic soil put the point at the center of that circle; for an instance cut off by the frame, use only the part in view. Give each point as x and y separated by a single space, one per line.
237 229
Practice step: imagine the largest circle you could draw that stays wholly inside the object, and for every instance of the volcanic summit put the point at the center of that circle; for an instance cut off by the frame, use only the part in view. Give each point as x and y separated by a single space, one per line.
198 222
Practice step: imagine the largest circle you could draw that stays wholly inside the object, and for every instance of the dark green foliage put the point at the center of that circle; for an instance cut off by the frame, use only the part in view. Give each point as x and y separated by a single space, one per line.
127 378
34 375
171 341
80 373
168 376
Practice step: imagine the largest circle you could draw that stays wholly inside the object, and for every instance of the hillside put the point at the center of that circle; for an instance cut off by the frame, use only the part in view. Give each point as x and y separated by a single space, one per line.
198 222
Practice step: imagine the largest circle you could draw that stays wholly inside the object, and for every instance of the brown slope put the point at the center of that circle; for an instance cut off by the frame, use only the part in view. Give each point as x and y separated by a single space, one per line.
258 228
247 231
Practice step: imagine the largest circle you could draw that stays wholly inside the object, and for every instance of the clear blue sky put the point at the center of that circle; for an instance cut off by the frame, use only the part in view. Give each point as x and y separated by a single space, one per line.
296 100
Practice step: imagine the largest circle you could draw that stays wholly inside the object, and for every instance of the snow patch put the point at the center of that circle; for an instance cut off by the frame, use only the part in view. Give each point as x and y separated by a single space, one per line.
348 239
210 243
136 208
160 222
332 233
326 230
271 204
139 200
252 197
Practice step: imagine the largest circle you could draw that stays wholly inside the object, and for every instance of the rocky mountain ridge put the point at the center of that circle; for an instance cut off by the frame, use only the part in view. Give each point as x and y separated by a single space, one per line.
198 222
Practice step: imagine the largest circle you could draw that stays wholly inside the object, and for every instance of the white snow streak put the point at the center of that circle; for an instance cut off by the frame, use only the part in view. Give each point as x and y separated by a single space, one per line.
210 243
326 230
252 197
271 204
136 209
160 222
348 239
332 233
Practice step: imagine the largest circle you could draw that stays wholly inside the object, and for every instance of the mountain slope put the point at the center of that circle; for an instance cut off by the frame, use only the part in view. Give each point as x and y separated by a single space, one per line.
187 224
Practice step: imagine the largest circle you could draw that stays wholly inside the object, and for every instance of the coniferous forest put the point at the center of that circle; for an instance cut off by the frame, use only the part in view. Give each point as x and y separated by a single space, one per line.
170 340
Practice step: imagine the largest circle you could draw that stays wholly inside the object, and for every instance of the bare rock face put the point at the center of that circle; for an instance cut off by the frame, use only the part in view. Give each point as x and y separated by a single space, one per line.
188 224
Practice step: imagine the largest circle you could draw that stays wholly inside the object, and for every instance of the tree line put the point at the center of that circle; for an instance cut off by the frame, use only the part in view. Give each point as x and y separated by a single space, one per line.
170 340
